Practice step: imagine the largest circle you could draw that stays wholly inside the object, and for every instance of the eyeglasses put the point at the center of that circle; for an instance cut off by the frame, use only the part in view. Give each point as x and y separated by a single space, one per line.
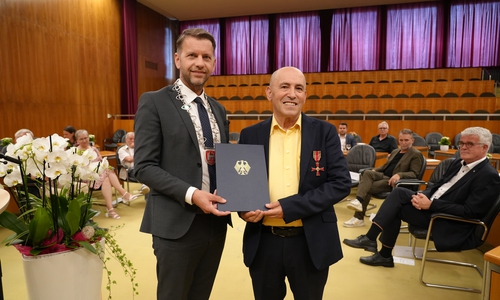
468 144
382 128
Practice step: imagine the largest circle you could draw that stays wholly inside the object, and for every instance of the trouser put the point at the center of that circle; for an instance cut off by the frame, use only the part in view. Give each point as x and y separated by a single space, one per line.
371 182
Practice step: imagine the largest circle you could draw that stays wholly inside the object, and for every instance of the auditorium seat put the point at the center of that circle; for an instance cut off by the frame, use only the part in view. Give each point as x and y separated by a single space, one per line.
260 97
243 84
417 95
408 114
397 81
426 80
383 81
255 84
342 96
355 96
316 83
222 98
402 96
356 112
329 82
458 79
342 82
474 79
210 85
235 98
480 111
313 97
391 112
386 96
340 112
373 115
487 94
327 97
433 95
371 96
369 81
221 85
247 98
497 117
424 112
411 80
450 95
468 95
460 111
441 80
231 85
355 82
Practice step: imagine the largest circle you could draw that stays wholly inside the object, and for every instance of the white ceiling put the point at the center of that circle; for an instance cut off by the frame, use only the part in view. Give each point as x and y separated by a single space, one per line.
184 10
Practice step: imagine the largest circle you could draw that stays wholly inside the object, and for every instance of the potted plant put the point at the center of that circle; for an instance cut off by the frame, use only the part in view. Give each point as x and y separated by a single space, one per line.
92 140
444 143
55 227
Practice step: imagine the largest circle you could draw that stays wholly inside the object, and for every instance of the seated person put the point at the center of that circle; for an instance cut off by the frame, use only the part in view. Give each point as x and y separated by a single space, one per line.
383 142
468 189
126 157
69 133
107 179
345 138
404 163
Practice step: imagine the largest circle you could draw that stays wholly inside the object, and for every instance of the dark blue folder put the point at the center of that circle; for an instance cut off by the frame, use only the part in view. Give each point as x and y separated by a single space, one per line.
241 177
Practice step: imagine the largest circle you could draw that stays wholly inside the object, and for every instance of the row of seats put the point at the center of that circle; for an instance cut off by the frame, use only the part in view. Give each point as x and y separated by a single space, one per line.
371 96
356 77
346 82
483 88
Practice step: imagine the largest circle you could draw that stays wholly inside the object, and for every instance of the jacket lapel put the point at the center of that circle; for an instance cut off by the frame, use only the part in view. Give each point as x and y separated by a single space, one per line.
307 144
186 119
467 176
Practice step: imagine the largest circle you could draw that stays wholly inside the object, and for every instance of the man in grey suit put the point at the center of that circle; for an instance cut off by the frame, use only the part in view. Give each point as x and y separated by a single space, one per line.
176 128
403 163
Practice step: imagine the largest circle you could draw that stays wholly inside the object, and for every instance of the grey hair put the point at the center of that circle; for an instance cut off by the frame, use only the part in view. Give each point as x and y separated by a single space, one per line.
406 131
22 132
80 132
385 123
129 134
484 134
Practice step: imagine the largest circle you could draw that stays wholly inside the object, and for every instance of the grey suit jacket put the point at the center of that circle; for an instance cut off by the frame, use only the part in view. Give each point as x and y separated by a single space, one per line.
167 159
408 166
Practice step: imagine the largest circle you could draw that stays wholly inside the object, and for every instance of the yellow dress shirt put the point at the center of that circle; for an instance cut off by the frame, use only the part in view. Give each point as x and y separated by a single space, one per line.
284 166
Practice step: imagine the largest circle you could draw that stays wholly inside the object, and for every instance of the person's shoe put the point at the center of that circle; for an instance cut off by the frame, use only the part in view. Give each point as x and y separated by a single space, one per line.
355 205
354 222
144 189
362 242
127 198
377 260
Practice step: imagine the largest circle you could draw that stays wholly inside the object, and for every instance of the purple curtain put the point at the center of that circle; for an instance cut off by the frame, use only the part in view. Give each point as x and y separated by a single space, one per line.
213 27
247 45
414 36
129 59
298 40
474 34
355 39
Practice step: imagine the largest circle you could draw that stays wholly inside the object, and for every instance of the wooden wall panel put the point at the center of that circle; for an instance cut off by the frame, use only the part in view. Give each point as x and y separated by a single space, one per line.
60 65
153 42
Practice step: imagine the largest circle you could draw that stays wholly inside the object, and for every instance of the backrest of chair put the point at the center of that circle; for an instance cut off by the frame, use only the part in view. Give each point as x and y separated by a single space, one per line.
234 137
496 143
419 141
422 167
432 139
361 156
118 135
118 162
438 173
489 219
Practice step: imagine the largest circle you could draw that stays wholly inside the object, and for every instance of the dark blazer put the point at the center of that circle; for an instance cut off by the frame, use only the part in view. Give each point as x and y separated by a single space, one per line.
167 159
317 194
471 197
349 139
408 167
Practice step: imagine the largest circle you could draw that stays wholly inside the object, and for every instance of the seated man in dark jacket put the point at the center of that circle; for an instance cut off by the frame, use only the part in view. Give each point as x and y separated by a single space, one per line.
468 189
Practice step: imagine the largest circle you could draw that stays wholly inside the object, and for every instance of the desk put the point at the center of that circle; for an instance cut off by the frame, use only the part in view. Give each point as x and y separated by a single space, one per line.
380 158
491 279
423 149
438 154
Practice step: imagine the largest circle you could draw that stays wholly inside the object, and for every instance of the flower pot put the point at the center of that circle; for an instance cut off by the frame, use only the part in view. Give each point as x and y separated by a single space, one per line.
75 275
444 147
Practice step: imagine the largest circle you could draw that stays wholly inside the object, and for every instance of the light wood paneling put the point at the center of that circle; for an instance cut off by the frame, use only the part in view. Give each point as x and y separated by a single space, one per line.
60 65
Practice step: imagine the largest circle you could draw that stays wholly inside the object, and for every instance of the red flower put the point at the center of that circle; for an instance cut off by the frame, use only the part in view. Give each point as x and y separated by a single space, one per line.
25 250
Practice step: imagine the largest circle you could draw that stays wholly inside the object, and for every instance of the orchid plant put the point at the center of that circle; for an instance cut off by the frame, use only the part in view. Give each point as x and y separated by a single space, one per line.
59 217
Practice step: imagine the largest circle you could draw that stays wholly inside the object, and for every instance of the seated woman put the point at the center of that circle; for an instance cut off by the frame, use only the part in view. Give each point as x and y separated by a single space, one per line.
69 133
107 179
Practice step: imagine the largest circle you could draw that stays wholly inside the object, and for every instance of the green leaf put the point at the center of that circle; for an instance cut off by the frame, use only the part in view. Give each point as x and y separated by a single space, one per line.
88 246
39 226
73 217
11 222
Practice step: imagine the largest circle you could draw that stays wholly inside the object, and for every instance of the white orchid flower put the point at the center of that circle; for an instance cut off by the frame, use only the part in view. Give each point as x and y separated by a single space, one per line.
13 178
57 156
41 144
58 142
55 170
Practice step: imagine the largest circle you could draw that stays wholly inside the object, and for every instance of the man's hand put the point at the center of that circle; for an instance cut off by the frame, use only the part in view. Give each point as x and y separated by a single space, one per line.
252 216
420 201
392 181
275 210
208 202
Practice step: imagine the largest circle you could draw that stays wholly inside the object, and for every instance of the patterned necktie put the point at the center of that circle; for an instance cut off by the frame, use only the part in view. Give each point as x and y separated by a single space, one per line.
209 139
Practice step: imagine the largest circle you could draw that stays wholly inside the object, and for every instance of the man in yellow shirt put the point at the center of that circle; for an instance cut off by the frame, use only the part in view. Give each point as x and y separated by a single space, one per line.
297 237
